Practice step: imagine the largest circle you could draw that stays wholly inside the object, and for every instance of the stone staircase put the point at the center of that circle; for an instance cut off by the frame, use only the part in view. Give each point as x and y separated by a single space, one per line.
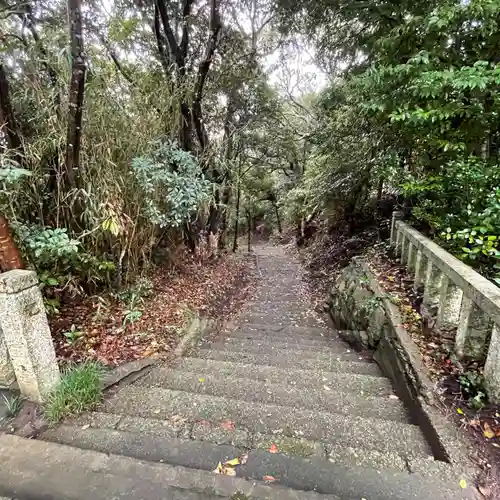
281 381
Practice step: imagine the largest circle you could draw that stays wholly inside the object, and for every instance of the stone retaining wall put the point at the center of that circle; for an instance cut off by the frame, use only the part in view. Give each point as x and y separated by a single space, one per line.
367 319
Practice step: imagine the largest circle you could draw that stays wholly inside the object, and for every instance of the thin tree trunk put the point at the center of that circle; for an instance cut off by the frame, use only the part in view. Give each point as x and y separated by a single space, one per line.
278 218
76 92
10 256
249 234
7 118
238 199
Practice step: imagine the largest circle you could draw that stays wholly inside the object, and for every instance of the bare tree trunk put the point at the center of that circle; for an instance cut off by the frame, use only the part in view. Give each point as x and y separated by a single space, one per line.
249 234
76 92
7 119
10 256
278 218
238 199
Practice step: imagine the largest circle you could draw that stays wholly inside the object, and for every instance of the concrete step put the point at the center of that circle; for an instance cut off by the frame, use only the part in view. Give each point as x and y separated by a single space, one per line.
298 359
306 475
300 319
263 345
321 369
305 379
300 331
40 470
217 433
359 432
325 398
303 340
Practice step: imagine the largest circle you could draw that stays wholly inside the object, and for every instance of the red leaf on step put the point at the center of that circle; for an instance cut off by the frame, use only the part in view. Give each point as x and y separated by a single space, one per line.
273 449
228 425
269 479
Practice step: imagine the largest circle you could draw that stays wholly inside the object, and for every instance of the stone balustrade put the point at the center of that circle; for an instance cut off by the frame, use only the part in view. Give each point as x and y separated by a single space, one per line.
455 296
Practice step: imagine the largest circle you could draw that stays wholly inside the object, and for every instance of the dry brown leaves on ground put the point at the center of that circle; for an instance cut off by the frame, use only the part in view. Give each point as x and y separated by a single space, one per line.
112 331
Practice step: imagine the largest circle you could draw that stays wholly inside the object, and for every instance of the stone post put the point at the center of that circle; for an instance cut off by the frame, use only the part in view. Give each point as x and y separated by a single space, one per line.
396 215
27 334
492 366
405 249
432 291
420 269
474 326
450 302
7 377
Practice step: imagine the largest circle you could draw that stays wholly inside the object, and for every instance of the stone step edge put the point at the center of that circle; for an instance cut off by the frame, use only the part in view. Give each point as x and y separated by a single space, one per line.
272 327
26 465
357 399
306 356
298 371
291 471
258 344
216 433
376 426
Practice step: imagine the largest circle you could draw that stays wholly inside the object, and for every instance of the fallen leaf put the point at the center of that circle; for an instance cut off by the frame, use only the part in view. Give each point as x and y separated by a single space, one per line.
273 449
463 484
485 491
201 379
233 462
475 423
228 425
488 431
460 411
226 471
269 479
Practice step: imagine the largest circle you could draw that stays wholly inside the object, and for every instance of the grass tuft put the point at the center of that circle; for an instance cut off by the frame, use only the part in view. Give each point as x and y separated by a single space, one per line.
80 390
13 405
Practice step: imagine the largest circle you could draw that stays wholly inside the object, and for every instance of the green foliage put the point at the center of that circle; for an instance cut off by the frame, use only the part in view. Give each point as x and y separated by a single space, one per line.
130 316
79 390
13 405
73 335
173 184
473 388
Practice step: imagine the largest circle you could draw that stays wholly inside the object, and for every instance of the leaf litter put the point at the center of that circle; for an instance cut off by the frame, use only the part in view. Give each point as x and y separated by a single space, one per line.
211 287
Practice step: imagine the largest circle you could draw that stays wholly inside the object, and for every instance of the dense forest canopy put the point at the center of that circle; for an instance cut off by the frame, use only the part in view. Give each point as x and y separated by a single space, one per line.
130 128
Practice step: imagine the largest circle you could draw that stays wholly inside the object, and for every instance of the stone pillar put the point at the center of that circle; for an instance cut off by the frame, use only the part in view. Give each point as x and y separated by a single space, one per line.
405 248
492 366
420 269
411 256
7 377
432 291
450 302
27 334
474 327
396 215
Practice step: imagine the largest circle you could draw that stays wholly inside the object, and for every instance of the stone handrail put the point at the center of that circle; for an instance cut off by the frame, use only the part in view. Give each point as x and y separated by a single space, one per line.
455 296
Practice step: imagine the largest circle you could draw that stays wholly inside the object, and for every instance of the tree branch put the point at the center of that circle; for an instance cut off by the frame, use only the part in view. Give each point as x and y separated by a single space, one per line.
203 69
169 34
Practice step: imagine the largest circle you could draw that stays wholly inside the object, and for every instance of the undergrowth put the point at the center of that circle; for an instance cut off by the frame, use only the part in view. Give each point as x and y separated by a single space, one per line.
80 389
